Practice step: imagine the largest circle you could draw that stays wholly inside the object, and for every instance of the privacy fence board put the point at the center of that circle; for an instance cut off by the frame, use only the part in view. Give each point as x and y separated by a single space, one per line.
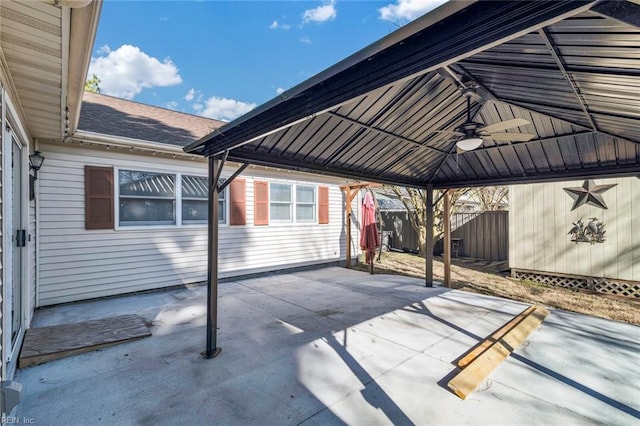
483 235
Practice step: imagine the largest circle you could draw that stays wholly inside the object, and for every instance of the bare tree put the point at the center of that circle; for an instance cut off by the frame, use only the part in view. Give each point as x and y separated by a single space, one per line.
491 198
414 201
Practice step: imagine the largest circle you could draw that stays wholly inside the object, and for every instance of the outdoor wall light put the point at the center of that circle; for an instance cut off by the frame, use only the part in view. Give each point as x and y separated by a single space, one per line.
35 162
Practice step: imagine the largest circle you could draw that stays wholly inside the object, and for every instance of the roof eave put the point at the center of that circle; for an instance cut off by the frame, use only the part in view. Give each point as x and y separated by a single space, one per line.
84 26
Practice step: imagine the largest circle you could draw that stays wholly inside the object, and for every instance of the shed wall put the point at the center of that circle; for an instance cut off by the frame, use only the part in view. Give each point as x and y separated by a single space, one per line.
78 264
540 219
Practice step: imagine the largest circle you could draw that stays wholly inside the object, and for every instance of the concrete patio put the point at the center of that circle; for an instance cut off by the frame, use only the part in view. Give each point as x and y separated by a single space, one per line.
333 346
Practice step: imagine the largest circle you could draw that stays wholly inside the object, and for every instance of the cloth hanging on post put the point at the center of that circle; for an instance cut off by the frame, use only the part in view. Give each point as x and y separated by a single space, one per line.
369 236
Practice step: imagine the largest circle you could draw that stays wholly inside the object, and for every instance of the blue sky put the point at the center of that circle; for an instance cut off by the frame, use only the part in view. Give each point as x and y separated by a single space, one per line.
220 59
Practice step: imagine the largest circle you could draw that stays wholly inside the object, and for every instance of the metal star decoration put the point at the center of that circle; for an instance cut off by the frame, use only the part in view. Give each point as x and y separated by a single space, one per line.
589 193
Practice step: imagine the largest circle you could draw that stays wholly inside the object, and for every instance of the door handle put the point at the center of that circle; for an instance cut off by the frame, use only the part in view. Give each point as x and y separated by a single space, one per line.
21 238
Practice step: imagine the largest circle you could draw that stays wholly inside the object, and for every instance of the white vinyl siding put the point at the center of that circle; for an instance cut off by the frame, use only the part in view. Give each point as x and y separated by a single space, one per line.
77 264
540 218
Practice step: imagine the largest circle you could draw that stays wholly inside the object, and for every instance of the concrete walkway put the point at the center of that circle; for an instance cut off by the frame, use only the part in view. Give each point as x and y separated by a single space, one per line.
333 346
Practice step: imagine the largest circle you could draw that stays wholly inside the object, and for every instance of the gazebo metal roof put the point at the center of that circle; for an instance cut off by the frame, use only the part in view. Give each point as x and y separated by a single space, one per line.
570 68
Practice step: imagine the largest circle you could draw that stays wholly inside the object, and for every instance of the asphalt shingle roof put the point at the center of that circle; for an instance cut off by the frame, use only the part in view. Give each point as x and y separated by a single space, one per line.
118 117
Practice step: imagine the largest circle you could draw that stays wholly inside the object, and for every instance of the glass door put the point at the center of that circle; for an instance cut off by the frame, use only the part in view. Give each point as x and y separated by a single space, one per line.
16 242
19 241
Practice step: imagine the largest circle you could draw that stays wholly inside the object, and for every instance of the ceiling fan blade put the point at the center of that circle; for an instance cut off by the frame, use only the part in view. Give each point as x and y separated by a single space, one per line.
511 137
503 125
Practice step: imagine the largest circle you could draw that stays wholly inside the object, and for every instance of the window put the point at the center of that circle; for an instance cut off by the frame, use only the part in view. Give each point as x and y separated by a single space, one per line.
305 203
280 205
195 204
286 203
146 198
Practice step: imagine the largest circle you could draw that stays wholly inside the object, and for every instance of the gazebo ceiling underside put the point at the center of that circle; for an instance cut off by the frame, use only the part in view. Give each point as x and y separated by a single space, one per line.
573 73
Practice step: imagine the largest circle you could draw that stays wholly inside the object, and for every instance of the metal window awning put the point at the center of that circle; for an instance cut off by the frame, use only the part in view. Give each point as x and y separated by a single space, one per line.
570 68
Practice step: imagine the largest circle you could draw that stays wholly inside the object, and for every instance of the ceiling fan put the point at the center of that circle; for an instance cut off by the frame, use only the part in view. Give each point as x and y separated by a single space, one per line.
473 132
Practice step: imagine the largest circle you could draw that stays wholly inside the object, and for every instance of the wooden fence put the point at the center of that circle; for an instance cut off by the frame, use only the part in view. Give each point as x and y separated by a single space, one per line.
482 235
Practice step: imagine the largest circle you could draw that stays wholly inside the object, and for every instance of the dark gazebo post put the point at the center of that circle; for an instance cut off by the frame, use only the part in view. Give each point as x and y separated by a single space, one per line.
212 258
428 212
447 238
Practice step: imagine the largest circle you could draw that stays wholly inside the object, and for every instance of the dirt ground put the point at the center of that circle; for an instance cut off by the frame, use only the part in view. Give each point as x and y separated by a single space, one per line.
463 277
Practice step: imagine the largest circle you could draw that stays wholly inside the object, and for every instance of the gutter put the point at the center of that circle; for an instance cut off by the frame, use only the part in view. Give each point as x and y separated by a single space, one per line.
128 143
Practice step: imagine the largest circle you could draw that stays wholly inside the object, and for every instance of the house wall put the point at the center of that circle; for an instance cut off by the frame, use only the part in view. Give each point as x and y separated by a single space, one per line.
540 219
78 264
9 116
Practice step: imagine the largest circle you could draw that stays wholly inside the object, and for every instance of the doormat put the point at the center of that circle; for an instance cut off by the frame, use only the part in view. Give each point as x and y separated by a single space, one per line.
44 344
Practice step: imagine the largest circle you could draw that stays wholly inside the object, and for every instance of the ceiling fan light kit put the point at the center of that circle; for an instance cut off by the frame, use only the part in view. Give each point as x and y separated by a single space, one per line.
469 144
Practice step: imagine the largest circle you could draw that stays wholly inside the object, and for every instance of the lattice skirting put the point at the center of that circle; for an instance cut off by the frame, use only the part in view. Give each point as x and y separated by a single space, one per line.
576 282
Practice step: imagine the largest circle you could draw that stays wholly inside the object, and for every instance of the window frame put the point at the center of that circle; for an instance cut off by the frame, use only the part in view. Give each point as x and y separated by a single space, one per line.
225 200
291 203
314 204
179 223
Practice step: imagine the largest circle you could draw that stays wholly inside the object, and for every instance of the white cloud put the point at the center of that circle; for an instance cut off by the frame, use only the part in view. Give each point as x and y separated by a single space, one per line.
407 10
190 95
171 105
277 25
124 72
280 90
305 40
104 50
323 13
224 109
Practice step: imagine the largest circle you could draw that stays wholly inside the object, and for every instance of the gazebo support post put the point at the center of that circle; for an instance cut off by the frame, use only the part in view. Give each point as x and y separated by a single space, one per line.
215 168
428 276
350 191
347 190
447 238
